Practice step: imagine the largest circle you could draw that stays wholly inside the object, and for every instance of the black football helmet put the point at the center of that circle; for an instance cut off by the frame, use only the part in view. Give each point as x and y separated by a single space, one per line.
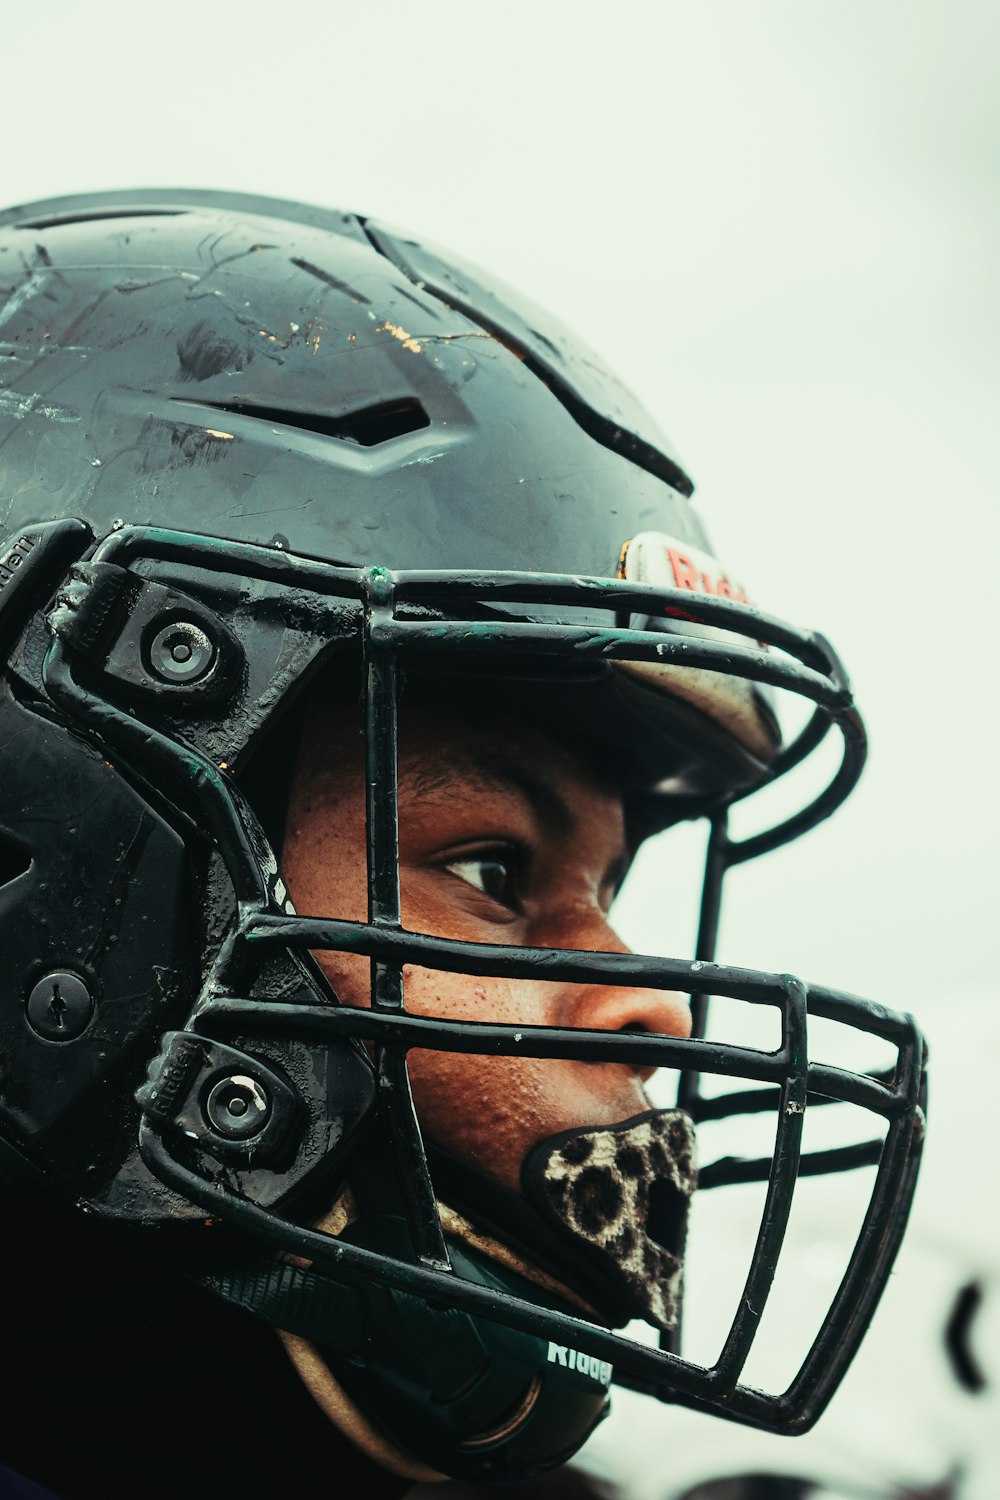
245 443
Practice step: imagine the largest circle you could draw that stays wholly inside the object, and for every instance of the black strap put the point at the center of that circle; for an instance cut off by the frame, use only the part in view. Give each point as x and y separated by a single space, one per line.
289 1297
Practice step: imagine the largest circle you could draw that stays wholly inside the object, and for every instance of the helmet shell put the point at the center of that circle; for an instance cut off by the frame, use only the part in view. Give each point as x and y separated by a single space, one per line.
249 368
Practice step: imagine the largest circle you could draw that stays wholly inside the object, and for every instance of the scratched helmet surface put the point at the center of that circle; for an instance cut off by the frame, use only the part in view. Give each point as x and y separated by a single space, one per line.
261 371
234 431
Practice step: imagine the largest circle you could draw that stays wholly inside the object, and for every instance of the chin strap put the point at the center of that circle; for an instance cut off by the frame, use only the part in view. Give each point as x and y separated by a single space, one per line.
623 1192
463 1395
291 1297
308 1310
425 1389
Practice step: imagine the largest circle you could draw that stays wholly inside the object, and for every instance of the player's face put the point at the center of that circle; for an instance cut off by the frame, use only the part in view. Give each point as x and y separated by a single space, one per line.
505 836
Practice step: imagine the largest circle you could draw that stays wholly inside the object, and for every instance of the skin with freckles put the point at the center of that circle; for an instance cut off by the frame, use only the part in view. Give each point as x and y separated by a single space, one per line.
505 836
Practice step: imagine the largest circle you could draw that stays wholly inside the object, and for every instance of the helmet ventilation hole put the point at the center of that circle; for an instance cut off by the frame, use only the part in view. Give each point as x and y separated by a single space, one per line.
58 221
367 428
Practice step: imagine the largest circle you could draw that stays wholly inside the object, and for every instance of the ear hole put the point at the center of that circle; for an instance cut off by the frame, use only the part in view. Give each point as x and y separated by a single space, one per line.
15 859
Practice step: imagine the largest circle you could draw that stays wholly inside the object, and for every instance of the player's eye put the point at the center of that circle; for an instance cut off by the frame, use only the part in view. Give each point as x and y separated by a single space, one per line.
495 872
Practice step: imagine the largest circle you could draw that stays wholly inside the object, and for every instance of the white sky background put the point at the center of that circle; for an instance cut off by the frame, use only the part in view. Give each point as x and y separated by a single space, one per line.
779 220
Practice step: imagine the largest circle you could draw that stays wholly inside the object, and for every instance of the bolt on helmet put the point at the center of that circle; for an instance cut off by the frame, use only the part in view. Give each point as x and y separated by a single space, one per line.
252 451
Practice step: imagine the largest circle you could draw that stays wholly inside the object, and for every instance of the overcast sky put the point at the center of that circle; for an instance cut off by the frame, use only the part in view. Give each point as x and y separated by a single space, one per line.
779 220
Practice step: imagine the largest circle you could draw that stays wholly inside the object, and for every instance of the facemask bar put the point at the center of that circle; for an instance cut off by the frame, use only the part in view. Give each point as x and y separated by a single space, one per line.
382 833
659 1373
262 925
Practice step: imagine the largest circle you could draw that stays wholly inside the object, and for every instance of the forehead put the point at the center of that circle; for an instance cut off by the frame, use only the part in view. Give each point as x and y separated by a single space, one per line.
560 789
443 752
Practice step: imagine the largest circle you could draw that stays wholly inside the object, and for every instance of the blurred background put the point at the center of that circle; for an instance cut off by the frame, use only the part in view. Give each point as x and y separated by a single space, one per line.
779 220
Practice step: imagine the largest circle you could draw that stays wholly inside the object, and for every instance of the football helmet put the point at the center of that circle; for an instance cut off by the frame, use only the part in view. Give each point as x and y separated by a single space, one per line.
247 446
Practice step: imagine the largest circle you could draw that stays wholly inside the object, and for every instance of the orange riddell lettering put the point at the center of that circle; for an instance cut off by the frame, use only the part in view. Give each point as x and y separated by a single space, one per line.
685 572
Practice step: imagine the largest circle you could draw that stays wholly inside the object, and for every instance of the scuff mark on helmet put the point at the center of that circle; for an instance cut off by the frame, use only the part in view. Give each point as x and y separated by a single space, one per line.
203 352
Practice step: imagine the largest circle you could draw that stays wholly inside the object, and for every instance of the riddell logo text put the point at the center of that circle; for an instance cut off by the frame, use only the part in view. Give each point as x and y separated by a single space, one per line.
688 575
587 1364
14 558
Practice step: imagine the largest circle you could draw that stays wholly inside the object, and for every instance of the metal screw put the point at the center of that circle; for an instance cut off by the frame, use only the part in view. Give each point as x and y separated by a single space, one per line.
60 1007
181 652
237 1107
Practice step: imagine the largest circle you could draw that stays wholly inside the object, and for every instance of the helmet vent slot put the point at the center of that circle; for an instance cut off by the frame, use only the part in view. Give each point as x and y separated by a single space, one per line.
367 428
537 353
15 859
57 221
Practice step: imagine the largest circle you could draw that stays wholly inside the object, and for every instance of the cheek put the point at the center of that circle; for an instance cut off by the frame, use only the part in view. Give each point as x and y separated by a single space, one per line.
322 882
484 1109
349 975
489 1110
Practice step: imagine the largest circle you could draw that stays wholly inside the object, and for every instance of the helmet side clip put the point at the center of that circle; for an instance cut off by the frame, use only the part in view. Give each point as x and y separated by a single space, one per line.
154 640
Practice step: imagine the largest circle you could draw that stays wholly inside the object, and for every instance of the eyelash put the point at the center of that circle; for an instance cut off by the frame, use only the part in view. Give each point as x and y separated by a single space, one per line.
511 858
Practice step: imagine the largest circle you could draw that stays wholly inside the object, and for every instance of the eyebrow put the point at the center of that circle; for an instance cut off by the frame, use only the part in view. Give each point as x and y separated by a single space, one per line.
495 769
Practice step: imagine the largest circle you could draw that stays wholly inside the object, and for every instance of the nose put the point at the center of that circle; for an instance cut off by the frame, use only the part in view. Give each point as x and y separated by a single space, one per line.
610 1008
619 1007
